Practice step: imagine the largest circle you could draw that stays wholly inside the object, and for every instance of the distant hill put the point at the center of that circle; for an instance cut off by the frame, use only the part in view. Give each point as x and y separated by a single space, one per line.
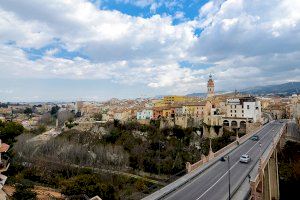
197 95
281 89
203 94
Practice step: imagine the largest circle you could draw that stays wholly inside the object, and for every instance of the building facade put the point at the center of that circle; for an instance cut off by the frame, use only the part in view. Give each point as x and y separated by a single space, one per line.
246 107
144 114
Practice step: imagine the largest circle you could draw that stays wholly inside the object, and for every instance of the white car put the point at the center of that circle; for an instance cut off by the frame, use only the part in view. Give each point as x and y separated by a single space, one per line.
245 158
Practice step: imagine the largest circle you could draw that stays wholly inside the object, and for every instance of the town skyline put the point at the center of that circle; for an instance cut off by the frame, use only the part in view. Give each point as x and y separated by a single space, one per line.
286 89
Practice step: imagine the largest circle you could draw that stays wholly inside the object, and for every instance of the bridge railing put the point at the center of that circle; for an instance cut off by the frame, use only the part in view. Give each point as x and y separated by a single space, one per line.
222 152
196 169
263 161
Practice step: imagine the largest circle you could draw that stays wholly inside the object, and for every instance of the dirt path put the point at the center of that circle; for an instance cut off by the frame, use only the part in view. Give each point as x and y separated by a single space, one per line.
43 193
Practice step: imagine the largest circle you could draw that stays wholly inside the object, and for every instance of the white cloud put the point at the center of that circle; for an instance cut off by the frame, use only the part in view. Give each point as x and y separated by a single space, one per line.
251 42
244 42
5 91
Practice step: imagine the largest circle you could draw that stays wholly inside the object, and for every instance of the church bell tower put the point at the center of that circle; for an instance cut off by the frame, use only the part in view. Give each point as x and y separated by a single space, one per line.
210 87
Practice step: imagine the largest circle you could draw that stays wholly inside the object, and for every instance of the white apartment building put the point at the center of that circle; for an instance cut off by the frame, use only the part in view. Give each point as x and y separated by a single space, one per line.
246 107
144 114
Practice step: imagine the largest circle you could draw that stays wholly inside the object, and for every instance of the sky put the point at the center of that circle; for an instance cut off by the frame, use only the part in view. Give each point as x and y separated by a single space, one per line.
67 50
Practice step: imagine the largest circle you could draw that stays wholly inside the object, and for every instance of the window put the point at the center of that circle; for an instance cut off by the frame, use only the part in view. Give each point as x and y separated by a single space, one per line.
230 110
242 111
235 106
235 111
248 107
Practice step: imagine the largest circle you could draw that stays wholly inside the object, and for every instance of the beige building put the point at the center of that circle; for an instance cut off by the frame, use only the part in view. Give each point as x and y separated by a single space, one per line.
122 115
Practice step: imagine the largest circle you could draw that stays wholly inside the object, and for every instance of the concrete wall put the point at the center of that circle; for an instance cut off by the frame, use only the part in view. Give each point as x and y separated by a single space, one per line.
265 185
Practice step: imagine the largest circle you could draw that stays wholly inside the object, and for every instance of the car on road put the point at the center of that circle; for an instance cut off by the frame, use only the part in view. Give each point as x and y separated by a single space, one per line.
245 158
223 158
255 138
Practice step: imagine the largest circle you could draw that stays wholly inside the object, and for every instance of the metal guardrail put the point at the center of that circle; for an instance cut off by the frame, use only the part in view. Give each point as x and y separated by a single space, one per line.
193 174
264 157
179 182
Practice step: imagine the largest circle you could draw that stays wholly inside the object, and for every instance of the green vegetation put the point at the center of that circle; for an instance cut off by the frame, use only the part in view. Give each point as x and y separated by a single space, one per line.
72 162
54 110
289 170
98 116
28 111
38 130
24 191
90 184
9 131
153 150
70 123
4 105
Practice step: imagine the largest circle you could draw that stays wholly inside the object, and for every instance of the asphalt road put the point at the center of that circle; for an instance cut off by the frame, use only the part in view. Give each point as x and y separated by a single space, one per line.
213 184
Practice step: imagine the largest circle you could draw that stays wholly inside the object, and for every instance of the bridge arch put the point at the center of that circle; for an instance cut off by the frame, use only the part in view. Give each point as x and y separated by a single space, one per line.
234 123
243 124
226 123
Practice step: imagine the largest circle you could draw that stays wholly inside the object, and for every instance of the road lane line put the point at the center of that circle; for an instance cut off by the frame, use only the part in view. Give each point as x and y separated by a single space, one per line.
231 168
259 132
263 131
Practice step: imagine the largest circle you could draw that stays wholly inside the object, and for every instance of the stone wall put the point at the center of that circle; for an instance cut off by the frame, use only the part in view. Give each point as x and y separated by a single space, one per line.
182 121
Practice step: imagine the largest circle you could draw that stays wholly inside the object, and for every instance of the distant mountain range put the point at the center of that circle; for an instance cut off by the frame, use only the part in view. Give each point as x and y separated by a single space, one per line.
197 95
203 94
281 89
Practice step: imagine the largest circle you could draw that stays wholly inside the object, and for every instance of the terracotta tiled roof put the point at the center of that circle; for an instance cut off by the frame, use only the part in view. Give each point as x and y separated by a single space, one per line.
4 147
203 103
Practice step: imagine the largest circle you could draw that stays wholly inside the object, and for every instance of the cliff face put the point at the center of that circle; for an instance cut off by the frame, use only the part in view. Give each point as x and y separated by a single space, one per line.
95 128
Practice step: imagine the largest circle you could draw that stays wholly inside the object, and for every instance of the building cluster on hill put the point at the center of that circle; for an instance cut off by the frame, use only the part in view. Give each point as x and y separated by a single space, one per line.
231 111
212 114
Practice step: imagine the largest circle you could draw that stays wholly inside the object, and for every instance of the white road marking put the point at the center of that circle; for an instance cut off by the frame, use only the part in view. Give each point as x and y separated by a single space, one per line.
230 168
261 130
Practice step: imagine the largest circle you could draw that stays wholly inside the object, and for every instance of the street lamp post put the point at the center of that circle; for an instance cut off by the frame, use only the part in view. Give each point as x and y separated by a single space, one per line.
228 177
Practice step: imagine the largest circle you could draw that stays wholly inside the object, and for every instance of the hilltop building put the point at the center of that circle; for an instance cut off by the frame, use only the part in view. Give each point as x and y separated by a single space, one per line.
210 87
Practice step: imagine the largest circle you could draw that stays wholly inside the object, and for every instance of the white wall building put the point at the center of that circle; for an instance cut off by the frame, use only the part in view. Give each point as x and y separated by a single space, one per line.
144 114
246 107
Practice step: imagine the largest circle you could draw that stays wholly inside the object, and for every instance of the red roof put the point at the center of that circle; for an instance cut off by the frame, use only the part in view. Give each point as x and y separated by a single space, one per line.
4 147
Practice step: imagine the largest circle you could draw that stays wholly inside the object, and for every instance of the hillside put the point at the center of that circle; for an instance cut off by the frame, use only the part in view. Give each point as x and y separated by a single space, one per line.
281 89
